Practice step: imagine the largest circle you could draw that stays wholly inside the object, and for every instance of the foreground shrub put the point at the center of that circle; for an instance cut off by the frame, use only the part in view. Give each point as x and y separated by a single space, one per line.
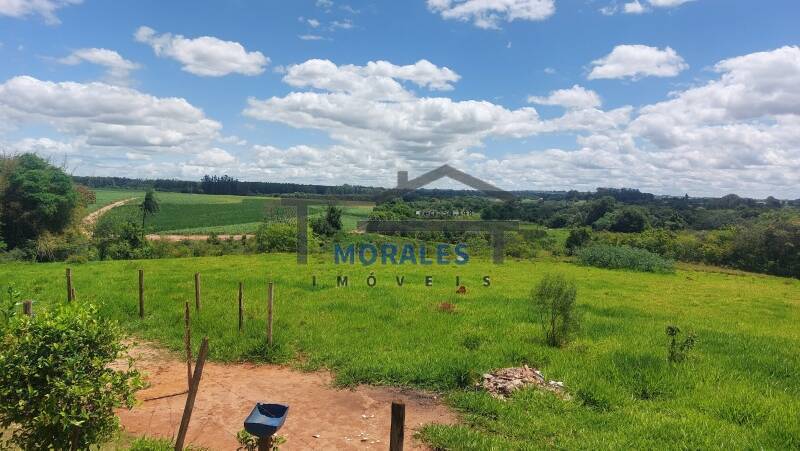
624 257
678 350
554 302
57 387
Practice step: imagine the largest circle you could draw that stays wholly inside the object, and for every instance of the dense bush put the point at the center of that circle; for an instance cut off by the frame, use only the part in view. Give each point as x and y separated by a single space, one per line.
577 238
37 198
517 246
276 238
120 239
57 386
330 224
624 257
767 245
554 303
629 220
596 209
770 245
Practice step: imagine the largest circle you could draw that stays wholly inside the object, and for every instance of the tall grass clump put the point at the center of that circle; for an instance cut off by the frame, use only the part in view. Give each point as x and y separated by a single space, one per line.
624 257
554 301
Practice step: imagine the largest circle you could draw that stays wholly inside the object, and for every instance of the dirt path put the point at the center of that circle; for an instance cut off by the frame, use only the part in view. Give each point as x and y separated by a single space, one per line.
175 238
91 219
320 416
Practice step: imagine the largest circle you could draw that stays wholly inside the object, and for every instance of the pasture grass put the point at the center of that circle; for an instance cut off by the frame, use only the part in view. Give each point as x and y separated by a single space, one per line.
738 389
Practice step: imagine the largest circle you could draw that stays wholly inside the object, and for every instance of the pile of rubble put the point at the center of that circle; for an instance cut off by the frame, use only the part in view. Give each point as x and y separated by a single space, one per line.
505 381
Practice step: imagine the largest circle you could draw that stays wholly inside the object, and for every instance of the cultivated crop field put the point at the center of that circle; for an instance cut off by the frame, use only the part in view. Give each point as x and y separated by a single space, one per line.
201 214
738 389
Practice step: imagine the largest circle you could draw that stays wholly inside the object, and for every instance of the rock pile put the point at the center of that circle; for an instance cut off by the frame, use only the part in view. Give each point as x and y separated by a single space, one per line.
505 381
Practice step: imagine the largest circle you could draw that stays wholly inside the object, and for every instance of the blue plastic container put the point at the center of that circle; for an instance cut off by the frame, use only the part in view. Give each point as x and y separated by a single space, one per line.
266 419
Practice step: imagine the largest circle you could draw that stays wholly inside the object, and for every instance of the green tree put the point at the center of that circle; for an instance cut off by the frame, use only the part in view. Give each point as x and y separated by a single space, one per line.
149 206
58 388
629 220
578 237
330 224
6 164
38 198
596 209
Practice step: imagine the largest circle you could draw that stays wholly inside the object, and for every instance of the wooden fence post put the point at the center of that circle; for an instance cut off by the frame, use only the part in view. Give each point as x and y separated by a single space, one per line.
27 308
398 426
141 293
187 340
241 306
270 298
70 290
197 291
195 385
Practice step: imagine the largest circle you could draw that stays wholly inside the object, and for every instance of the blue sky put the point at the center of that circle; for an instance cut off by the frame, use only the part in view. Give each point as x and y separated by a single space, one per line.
669 96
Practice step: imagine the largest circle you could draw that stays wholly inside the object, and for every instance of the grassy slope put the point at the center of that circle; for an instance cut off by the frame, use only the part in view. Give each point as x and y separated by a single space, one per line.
739 390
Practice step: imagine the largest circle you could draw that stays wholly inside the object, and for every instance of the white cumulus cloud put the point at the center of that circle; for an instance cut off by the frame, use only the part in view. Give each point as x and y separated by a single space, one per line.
637 61
119 68
104 115
634 7
489 13
668 3
205 56
378 79
45 8
213 157
576 97
641 6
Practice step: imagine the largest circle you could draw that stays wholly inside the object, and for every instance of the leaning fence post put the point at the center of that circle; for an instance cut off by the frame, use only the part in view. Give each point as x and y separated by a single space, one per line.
398 426
241 306
187 341
270 298
195 385
141 293
197 291
70 291
27 308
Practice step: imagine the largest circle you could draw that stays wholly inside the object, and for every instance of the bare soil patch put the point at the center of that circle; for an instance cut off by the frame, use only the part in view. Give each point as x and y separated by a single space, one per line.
320 416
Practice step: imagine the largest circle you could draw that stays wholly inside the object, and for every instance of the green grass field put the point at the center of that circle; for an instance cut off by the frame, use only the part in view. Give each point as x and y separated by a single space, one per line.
201 214
739 389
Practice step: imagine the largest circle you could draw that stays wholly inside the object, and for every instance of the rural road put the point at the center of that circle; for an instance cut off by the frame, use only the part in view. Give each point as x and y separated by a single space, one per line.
91 219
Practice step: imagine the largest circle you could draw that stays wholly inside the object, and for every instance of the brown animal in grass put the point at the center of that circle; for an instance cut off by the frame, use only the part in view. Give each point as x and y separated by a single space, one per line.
461 290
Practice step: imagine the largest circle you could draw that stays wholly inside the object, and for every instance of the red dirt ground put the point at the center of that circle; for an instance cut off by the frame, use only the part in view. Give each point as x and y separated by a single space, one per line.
320 416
